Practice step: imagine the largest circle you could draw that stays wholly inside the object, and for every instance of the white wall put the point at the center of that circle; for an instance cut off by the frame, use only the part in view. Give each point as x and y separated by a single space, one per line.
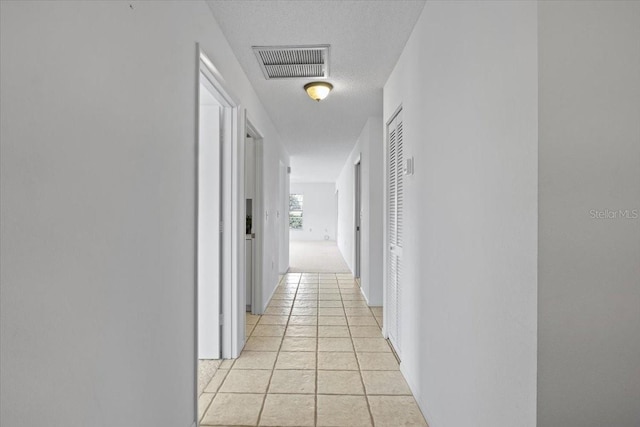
208 253
284 218
276 246
346 205
318 211
97 144
369 147
589 274
250 170
467 81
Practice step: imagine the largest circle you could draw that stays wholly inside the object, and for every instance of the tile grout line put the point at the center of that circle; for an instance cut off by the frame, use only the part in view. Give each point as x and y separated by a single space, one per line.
206 409
217 390
315 396
393 350
273 368
326 394
298 288
364 388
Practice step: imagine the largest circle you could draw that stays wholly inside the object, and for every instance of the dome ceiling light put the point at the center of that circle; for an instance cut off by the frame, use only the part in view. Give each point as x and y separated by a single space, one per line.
318 90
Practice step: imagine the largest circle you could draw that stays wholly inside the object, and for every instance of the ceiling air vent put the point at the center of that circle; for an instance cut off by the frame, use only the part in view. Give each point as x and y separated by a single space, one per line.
285 62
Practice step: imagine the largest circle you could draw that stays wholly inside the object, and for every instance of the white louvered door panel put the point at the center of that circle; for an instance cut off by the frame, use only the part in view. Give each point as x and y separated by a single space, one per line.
392 177
399 181
395 206
392 300
391 308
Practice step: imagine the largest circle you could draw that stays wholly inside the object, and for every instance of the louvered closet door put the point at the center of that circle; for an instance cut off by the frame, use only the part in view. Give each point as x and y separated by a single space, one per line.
395 203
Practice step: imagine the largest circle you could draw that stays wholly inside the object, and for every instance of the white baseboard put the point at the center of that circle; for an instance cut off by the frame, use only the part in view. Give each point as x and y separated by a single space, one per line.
270 296
363 294
414 390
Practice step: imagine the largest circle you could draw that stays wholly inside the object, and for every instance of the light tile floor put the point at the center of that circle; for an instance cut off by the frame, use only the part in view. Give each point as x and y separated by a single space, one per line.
315 358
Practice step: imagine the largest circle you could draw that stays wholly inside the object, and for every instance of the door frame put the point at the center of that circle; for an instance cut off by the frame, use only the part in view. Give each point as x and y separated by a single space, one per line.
357 217
209 207
283 219
258 218
387 250
232 251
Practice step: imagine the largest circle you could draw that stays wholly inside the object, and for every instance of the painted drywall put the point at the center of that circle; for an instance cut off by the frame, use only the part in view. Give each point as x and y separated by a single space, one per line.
249 169
98 198
318 211
369 148
346 204
467 83
283 214
589 247
276 246
208 253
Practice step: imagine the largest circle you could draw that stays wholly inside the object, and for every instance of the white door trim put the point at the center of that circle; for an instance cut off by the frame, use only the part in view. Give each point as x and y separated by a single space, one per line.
357 218
232 262
387 246
209 217
258 220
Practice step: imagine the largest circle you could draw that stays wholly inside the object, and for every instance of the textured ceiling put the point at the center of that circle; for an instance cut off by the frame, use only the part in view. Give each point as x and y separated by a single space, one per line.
366 39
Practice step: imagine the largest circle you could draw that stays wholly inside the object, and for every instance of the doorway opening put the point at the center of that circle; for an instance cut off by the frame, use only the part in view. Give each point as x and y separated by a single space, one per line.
210 213
357 211
254 225
283 221
218 256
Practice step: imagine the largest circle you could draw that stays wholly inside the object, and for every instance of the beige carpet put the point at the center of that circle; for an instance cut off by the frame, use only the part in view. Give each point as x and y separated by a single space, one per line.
316 257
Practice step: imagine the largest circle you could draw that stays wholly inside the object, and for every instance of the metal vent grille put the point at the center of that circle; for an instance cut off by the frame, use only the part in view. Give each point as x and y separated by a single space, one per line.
286 62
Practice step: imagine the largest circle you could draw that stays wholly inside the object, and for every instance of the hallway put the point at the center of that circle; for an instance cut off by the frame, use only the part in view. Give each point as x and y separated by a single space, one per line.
477 164
315 358
316 256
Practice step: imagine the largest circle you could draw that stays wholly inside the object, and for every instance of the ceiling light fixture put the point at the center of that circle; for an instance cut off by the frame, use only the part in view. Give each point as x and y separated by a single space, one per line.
318 90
